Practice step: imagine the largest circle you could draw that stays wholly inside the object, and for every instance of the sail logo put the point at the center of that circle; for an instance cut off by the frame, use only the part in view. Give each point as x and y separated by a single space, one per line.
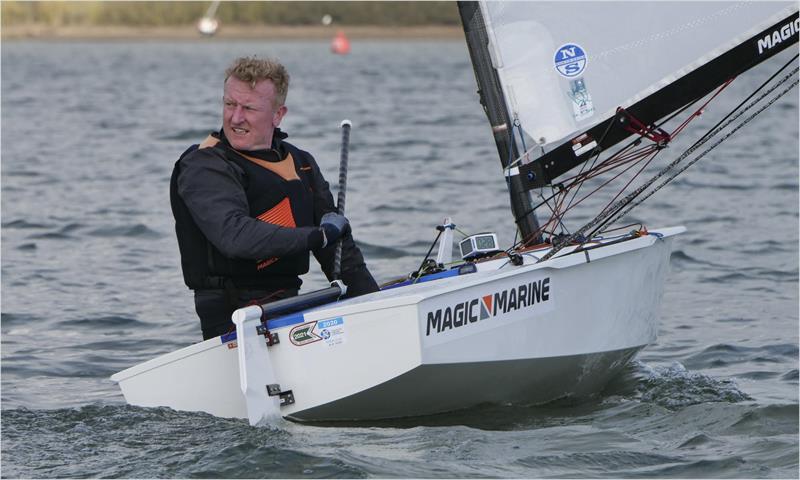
778 36
489 306
570 60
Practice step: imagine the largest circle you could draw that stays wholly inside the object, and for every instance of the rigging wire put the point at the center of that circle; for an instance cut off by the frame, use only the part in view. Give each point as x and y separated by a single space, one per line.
421 268
616 211
620 158
719 127
596 157
626 154
632 205
650 150
596 169
792 60
508 172
711 131
459 231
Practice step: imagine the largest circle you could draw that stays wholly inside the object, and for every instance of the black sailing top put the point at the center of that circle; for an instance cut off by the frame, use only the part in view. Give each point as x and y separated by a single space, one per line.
253 216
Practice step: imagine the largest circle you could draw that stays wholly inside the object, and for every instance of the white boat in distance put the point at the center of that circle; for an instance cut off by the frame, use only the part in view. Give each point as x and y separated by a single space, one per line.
556 315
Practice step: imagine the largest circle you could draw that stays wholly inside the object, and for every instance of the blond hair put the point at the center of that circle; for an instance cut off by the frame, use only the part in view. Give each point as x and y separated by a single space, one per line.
253 70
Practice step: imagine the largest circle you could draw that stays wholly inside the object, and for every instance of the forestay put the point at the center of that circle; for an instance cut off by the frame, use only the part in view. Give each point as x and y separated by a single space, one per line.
567 66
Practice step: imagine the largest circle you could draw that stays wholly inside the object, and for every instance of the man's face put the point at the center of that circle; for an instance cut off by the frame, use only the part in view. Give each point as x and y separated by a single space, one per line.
249 115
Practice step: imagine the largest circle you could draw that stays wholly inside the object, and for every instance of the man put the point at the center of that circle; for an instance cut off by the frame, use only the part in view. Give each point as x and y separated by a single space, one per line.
249 207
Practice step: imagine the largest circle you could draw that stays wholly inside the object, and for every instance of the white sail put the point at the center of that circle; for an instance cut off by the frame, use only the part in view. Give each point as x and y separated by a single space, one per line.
566 66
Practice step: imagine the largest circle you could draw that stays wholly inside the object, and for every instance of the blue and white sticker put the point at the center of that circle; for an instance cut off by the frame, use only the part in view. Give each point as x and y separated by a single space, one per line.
332 331
570 60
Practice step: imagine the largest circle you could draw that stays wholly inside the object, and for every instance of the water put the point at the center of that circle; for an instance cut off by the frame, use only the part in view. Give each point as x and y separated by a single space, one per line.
91 278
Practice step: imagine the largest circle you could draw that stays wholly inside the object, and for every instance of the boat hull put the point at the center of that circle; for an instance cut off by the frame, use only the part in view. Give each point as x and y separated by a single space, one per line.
431 389
525 334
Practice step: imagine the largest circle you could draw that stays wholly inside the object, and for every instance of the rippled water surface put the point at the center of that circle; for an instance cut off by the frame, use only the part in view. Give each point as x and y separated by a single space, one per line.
91 277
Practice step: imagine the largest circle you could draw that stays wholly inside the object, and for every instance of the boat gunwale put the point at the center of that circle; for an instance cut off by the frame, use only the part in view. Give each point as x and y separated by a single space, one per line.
439 288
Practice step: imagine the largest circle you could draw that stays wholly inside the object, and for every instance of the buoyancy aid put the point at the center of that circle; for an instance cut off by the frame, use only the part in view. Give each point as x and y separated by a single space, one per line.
278 191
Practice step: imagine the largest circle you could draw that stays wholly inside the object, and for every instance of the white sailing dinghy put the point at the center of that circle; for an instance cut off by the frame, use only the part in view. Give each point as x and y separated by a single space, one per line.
542 319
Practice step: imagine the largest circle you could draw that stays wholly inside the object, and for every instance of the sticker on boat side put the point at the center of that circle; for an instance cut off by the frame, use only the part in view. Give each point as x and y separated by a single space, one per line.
331 331
489 309
303 334
570 60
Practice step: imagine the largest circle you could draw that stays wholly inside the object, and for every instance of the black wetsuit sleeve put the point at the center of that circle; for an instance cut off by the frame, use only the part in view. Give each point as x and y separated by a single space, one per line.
212 189
354 274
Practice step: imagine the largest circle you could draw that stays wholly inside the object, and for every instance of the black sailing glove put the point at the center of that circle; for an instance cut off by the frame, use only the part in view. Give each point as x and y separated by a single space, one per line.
333 226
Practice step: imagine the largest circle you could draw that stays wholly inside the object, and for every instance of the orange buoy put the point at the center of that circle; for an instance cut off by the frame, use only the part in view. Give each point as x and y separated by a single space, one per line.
340 44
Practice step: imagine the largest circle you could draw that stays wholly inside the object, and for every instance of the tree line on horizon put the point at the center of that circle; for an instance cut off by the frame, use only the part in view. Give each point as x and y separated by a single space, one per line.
125 13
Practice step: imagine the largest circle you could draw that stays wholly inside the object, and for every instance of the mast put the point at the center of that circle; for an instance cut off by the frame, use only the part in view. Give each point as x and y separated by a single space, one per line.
494 106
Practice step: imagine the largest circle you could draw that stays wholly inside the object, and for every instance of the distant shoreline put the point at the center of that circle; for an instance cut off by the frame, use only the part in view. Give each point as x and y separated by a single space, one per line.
231 32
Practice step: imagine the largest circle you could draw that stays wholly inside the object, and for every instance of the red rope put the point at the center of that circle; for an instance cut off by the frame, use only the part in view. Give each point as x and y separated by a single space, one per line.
699 111
626 159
